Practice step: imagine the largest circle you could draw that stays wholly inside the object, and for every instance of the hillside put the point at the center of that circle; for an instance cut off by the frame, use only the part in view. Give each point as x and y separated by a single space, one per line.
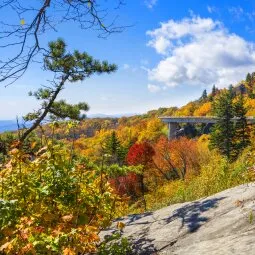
146 126
200 107
217 225
97 170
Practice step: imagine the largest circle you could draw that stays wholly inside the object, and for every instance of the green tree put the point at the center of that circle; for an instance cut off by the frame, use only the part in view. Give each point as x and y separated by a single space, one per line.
232 91
67 67
242 89
222 137
115 150
248 78
241 127
204 95
253 77
250 81
213 93
214 90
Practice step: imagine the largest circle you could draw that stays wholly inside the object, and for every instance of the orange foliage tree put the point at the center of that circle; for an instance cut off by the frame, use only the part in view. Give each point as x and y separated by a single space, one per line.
204 109
176 159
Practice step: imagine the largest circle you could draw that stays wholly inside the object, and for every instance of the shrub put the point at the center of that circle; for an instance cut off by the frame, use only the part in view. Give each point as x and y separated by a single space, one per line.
52 204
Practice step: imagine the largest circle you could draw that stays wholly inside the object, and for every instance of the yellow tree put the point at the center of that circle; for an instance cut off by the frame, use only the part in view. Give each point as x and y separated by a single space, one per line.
204 109
153 130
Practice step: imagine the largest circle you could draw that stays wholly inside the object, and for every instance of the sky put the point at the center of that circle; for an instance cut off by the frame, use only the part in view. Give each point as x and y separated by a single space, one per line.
171 52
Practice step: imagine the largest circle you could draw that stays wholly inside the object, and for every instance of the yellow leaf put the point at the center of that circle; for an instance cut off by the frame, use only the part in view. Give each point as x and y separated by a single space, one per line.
33 144
22 22
120 225
6 247
94 237
91 229
68 251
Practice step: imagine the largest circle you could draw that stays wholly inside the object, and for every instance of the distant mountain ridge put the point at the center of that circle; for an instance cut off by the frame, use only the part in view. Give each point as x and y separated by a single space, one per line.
199 107
11 125
8 125
102 116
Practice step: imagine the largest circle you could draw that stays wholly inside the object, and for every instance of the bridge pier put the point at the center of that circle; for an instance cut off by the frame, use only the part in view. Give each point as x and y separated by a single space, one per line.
173 122
172 128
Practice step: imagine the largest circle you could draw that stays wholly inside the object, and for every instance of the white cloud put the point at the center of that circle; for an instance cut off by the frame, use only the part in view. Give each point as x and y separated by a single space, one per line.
199 51
153 88
251 16
150 3
212 9
237 12
161 44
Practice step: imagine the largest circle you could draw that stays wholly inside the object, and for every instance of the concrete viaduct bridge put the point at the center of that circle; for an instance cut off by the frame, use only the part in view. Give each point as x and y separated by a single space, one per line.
173 122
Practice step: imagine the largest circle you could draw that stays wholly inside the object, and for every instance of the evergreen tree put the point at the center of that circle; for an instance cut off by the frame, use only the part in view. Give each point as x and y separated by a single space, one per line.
248 78
241 127
253 77
242 89
214 90
68 68
223 133
231 91
115 150
112 144
204 95
213 93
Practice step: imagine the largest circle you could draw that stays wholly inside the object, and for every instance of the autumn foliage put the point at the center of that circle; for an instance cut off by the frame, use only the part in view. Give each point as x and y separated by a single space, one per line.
140 154
132 184
52 204
176 159
56 198
126 185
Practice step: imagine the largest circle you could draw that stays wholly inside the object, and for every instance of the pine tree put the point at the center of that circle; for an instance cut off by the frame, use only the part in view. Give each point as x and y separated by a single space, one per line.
241 127
213 93
214 90
223 133
112 143
115 150
231 91
68 68
248 78
253 77
204 96
250 81
242 89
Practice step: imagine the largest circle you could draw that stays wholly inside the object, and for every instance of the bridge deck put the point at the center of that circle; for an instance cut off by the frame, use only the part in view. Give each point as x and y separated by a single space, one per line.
193 119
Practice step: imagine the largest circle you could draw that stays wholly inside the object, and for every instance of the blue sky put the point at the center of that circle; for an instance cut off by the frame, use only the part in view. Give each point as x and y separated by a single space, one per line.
173 51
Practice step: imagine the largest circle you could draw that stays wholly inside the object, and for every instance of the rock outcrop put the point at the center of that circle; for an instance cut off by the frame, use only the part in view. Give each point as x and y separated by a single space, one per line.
220 224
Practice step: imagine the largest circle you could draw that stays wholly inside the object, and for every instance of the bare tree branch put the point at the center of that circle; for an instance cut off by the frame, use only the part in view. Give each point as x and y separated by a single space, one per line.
24 41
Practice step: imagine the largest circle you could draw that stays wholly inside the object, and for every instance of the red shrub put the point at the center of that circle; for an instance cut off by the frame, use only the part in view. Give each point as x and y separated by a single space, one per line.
126 185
